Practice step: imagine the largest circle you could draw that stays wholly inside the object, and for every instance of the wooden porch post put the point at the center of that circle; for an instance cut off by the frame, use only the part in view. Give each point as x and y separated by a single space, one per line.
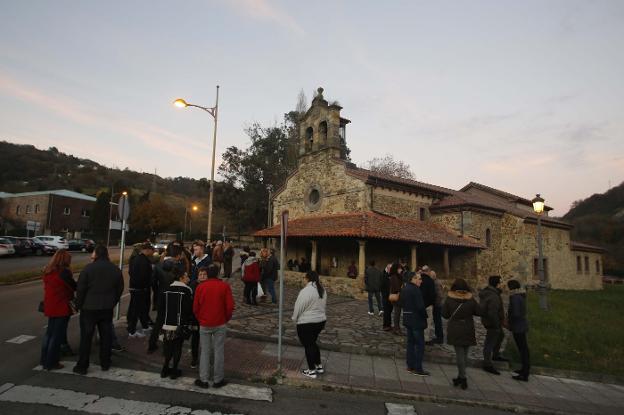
447 267
414 261
361 260
313 256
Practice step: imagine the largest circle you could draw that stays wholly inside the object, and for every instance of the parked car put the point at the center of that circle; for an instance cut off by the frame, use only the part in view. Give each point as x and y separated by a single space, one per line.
58 242
83 245
43 247
6 247
22 246
37 246
161 246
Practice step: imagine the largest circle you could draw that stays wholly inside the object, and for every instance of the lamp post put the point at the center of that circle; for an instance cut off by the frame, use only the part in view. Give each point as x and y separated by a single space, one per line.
542 286
214 111
193 209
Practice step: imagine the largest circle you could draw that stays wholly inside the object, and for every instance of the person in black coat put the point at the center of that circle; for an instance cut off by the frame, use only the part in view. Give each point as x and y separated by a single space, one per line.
459 308
98 290
519 326
175 308
415 321
140 271
492 317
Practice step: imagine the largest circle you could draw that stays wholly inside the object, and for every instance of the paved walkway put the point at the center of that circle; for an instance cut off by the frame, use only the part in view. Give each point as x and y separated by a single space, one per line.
349 327
257 361
358 355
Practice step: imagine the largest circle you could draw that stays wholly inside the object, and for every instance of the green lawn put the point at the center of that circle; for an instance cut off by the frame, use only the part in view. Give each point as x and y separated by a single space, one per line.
583 331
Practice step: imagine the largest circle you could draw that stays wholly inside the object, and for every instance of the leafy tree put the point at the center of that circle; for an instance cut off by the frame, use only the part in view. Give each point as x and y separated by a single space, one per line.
389 166
98 221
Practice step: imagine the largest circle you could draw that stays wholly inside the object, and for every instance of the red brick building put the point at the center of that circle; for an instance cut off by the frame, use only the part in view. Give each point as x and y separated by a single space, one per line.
59 212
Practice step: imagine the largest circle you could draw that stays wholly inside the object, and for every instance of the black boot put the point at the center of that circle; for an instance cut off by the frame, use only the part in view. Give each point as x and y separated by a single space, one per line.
456 381
165 372
464 383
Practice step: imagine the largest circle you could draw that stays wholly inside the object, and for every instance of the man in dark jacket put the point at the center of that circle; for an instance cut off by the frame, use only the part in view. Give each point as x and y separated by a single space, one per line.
372 280
140 271
99 289
270 267
427 288
415 321
200 258
492 316
164 275
228 256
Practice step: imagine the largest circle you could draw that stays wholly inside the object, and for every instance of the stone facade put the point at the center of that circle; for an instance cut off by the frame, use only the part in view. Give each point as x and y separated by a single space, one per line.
325 184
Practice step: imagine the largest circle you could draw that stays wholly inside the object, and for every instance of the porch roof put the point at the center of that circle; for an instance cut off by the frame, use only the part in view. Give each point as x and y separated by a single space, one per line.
372 225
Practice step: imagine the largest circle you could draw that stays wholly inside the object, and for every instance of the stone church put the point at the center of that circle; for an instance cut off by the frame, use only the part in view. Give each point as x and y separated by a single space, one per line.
340 213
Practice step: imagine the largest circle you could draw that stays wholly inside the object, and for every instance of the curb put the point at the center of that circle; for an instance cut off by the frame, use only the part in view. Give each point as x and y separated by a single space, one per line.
331 387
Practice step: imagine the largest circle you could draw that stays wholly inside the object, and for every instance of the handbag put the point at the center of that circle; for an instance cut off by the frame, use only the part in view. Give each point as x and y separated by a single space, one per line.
394 298
455 312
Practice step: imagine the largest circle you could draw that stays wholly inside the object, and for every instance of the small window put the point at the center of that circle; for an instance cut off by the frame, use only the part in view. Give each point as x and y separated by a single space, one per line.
85 213
27 209
587 265
323 131
535 270
579 265
18 210
314 197
597 266
37 208
423 214
536 267
488 237
66 211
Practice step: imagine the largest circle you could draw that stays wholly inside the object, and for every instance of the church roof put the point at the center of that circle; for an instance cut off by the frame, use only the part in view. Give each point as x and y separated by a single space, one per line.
499 193
386 180
372 225
579 246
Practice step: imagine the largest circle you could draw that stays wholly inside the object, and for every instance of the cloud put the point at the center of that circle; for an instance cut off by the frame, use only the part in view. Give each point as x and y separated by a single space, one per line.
264 10
518 163
151 136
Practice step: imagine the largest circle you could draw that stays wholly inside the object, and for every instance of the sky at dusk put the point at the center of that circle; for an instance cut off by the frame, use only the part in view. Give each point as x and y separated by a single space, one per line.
524 96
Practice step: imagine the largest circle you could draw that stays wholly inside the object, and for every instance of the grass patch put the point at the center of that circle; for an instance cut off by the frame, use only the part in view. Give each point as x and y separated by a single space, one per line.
582 331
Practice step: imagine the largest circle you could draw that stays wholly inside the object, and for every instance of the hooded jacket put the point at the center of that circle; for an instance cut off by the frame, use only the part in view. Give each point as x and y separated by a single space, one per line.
459 308
176 305
516 312
492 314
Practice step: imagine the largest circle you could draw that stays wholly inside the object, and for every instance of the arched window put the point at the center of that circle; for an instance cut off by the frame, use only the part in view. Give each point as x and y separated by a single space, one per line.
18 210
488 237
309 135
323 131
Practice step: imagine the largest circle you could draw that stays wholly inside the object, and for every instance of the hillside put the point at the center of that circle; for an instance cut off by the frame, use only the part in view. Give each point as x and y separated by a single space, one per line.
25 168
599 220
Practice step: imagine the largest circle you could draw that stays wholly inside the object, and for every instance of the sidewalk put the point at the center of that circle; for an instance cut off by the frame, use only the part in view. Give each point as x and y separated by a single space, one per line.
257 360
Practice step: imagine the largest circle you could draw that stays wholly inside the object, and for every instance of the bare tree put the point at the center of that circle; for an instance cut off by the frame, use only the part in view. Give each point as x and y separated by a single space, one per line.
389 166
302 103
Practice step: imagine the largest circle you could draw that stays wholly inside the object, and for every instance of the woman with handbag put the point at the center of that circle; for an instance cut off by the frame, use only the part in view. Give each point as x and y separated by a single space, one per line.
58 289
459 308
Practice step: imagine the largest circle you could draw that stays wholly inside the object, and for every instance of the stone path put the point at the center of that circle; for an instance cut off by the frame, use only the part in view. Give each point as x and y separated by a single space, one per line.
349 328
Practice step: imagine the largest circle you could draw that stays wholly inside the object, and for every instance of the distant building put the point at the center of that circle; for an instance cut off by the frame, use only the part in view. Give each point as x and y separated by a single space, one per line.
58 212
339 213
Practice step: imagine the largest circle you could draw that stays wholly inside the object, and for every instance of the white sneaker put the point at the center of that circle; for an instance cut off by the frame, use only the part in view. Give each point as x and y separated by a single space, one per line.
136 335
319 369
309 373
370 313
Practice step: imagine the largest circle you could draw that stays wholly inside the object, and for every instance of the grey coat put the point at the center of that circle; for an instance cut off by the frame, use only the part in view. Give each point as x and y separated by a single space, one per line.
99 286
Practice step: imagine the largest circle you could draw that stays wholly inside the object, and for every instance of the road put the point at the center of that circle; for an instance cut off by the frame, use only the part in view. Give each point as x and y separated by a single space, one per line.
55 393
10 265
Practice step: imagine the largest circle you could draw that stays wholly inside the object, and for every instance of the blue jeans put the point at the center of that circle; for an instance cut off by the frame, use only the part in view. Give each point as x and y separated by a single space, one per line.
269 285
415 348
52 340
377 295
437 322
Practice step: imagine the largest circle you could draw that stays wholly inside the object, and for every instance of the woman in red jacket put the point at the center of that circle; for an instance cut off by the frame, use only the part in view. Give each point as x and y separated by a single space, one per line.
251 277
59 287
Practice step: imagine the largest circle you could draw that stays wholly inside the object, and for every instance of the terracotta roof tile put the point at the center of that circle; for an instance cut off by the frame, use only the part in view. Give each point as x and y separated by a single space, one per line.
372 225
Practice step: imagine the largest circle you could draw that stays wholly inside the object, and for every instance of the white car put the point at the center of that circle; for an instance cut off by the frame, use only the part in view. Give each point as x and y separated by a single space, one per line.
56 242
6 247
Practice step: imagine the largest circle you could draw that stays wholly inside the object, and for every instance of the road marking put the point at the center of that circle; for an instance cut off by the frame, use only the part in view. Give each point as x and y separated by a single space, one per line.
139 377
94 404
23 338
400 409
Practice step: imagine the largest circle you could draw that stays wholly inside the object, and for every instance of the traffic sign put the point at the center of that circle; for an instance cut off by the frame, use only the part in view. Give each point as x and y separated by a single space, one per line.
123 208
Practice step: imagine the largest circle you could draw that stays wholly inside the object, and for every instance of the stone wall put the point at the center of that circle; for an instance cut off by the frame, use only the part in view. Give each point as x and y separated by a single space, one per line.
400 204
339 192
334 285
588 278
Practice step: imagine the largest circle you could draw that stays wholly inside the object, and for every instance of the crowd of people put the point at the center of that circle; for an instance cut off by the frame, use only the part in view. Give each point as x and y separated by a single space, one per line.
419 297
192 297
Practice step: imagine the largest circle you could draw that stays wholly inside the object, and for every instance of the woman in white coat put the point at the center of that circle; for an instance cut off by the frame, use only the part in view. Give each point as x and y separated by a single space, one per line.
309 315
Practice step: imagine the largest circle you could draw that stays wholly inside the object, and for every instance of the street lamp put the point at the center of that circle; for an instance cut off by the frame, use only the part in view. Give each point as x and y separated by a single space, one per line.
193 209
542 286
214 111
